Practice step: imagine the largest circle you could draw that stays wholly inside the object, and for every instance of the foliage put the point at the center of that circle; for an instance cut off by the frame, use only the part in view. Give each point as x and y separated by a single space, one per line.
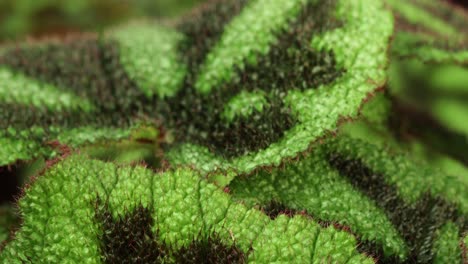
267 127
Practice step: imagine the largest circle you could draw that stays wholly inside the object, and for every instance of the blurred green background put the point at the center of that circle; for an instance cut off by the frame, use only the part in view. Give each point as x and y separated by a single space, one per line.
44 17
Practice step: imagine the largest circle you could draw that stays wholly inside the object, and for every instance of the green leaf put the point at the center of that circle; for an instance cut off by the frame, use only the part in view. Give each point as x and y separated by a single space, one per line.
61 220
313 63
388 200
245 95
448 248
316 108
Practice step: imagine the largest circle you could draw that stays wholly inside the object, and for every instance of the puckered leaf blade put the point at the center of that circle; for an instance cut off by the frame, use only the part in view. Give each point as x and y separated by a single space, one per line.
312 63
390 201
59 214
319 109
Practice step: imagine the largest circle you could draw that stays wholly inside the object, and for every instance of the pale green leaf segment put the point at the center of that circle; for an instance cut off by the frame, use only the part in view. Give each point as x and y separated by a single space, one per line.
149 54
244 104
447 245
25 145
59 224
27 91
20 149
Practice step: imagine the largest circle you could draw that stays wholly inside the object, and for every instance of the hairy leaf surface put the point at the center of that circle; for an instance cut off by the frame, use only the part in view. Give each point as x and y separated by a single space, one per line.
308 62
242 101
62 223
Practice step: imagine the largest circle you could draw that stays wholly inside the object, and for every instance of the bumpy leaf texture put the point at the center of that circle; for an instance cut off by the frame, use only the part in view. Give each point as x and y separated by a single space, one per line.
235 85
246 95
70 212
345 201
